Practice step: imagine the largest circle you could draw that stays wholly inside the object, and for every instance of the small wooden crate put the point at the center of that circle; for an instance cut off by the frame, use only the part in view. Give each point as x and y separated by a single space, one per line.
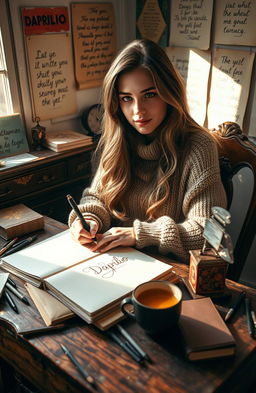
207 273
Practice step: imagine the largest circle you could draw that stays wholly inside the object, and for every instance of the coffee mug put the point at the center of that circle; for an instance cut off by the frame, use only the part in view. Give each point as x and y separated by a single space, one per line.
156 305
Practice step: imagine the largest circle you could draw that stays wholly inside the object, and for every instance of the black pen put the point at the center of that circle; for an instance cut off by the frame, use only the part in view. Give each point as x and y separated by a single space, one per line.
235 306
250 323
135 355
10 301
17 293
78 213
10 281
84 373
22 244
133 342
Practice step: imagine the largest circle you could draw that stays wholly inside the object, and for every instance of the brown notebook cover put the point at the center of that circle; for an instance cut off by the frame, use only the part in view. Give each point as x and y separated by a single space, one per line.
52 310
19 220
204 332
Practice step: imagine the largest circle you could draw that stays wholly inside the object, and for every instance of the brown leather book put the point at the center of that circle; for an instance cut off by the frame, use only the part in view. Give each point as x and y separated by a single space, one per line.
19 220
204 332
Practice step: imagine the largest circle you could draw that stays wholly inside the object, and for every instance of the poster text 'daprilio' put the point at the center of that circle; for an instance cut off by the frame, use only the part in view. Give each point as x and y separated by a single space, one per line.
94 37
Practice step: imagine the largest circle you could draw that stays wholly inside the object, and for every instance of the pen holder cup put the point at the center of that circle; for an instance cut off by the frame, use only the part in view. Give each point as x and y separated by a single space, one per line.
156 306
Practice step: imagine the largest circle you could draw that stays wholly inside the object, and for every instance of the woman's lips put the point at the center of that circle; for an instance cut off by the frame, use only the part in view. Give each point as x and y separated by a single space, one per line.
142 123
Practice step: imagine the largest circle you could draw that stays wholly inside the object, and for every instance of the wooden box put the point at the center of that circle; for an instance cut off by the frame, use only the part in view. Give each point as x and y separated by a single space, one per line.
207 273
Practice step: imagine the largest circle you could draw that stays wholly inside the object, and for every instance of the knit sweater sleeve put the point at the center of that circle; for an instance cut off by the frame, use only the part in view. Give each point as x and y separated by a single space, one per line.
201 188
91 206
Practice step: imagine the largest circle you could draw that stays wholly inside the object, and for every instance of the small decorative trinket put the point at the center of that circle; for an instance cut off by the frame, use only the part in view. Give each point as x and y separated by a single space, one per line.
208 267
38 135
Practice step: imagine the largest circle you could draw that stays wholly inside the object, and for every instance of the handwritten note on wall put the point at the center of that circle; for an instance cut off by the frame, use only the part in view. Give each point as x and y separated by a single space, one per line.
94 36
13 138
152 17
194 67
230 83
51 75
191 23
235 22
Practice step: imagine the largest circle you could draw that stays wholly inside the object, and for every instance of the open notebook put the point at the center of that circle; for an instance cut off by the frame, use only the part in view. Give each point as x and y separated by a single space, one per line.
90 284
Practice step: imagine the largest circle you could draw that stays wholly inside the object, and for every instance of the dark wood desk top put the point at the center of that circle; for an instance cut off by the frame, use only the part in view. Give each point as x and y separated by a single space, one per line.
41 359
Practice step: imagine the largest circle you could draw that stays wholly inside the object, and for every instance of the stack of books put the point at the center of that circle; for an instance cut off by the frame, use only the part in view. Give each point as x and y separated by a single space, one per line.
65 140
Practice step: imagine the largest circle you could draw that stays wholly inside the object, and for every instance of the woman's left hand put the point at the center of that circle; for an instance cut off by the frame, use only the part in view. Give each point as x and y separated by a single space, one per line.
116 236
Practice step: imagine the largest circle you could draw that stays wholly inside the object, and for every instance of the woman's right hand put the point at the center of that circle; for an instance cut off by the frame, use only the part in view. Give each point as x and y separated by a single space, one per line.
80 235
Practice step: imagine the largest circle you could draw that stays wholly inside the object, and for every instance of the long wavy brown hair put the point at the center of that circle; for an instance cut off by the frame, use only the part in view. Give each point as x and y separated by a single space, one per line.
116 152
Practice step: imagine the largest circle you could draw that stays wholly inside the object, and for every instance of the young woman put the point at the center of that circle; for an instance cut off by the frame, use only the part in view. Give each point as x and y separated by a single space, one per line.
158 174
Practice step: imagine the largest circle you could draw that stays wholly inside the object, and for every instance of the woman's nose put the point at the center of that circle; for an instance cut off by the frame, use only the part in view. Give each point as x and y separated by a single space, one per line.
138 107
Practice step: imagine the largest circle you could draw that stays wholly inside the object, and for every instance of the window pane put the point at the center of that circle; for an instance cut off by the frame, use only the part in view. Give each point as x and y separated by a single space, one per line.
5 95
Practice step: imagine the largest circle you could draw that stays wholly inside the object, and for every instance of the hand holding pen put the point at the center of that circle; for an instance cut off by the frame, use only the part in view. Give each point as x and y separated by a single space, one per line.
79 214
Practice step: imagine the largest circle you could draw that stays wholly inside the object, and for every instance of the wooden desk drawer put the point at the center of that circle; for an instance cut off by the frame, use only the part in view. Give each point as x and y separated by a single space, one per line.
79 165
32 182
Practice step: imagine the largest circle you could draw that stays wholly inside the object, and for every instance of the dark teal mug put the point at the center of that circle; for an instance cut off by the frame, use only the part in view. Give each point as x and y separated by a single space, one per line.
156 305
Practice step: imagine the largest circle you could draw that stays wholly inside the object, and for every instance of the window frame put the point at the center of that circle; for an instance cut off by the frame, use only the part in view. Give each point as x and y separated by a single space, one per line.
10 57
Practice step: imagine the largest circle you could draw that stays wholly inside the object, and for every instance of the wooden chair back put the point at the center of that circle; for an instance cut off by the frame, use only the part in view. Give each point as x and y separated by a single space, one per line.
236 151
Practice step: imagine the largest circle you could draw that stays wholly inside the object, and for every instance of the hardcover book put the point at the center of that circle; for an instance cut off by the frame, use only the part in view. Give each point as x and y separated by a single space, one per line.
19 220
65 140
90 284
204 332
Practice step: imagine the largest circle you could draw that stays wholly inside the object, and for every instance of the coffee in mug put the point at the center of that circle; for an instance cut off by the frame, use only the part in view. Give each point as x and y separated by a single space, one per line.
156 305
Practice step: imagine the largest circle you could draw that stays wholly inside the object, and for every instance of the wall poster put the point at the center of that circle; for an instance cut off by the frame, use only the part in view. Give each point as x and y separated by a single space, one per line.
190 24
230 82
94 36
153 20
194 66
51 75
235 22
49 61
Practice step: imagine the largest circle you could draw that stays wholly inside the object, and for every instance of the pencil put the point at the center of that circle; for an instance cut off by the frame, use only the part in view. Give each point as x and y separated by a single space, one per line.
8 246
78 366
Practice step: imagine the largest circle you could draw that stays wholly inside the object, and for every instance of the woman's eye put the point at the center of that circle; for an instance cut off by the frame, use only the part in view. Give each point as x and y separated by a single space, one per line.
150 94
126 98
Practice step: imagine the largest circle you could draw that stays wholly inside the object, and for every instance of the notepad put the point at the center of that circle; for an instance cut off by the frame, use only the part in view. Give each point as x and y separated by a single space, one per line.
204 332
90 284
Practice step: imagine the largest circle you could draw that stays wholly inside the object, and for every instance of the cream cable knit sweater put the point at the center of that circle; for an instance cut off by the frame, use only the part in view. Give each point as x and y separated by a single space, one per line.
195 188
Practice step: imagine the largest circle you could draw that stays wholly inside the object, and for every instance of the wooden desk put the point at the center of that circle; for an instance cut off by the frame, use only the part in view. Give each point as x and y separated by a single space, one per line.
42 361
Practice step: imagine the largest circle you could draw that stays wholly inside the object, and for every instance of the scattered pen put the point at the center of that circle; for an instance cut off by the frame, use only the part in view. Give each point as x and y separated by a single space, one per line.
22 244
235 306
8 246
78 213
10 281
133 342
135 355
10 301
84 373
250 323
17 293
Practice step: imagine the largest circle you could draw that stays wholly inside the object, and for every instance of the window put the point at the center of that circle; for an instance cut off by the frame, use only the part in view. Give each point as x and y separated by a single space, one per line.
5 94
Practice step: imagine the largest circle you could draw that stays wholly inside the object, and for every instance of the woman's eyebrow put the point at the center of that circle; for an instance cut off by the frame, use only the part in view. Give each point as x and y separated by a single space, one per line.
142 91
